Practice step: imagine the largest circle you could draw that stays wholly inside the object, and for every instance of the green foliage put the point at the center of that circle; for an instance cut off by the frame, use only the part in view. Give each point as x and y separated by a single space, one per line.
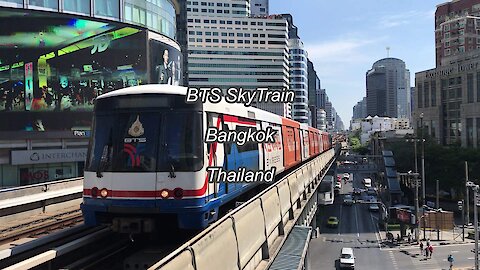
447 164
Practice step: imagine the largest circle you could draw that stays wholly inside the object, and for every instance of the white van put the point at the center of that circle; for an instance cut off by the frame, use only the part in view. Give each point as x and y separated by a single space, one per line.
347 259
367 182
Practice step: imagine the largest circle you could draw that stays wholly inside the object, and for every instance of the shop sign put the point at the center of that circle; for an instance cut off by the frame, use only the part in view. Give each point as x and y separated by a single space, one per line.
48 156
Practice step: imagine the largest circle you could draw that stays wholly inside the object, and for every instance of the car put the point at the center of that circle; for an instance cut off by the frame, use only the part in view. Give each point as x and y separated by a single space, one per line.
347 259
348 200
373 207
332 222
357 191
367 182
338 185
371 192
346 175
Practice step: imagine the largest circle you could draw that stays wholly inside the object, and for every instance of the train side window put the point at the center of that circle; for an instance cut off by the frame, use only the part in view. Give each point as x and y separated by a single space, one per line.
248 146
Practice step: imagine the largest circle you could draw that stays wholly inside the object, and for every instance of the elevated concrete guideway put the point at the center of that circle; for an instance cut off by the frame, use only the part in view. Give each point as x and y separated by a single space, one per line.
251 236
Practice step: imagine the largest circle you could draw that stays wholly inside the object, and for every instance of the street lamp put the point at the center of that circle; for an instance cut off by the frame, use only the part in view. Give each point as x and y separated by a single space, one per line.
475 189
414 139
423 159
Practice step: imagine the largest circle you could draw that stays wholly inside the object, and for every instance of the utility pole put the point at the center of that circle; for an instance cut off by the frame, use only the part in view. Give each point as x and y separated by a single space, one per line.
423 160
467 201
415 177
475 218
438 209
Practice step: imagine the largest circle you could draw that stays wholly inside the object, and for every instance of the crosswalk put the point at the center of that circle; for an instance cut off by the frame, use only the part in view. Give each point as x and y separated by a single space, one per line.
420 262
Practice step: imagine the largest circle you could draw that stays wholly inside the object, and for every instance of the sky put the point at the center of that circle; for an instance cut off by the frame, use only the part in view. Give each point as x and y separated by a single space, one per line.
345 37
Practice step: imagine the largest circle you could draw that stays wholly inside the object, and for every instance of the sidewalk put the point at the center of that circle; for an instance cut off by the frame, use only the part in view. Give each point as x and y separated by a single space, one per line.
446 238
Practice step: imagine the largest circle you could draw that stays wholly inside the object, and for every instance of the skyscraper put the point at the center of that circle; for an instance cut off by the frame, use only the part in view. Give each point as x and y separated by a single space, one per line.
229 48
298 73
388 89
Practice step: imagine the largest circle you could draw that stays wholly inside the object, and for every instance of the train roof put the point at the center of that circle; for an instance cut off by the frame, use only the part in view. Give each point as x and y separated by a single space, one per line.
147 89
234 109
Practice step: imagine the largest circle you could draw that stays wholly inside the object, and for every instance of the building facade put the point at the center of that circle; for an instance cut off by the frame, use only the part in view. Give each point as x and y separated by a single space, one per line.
447 100
360 109
55 58
388 89
227 47
259 7
457 28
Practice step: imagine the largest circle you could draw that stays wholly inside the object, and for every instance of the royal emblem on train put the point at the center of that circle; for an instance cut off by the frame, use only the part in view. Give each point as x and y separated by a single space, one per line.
136 129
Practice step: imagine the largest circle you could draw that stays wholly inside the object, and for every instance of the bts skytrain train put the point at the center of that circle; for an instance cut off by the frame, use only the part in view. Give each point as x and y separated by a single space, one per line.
147 160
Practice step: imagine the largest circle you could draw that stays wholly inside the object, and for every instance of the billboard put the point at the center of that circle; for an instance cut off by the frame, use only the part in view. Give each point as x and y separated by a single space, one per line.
52 67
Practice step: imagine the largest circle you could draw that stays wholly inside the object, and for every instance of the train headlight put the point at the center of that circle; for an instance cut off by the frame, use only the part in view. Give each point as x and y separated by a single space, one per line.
178 193
94 192
104 193
164 194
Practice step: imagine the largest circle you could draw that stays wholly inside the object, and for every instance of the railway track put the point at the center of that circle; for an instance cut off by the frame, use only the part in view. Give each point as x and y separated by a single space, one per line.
41 227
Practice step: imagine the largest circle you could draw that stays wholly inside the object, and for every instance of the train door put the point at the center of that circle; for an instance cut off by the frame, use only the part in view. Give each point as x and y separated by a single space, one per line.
273 152
214 156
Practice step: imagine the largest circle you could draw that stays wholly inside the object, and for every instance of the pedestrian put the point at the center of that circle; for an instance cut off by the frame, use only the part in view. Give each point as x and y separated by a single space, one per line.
409 238
430 250
426 252
450 260
428 242
398 238
421 247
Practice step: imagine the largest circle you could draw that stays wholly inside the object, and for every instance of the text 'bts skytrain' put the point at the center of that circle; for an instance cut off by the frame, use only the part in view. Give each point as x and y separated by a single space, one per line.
147 160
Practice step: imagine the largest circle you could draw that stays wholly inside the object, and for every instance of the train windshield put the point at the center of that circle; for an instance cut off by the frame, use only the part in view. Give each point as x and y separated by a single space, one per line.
146 141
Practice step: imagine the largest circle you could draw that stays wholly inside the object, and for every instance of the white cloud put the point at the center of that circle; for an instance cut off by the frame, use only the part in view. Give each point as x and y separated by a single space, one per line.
394 20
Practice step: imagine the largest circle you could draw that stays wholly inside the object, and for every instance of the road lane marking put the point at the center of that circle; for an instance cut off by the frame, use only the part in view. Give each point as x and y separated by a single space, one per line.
356 220
341 220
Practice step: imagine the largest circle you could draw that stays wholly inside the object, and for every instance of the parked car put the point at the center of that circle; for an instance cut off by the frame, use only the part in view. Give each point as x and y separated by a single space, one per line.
346 176
371 192
347 259
357 191
332 222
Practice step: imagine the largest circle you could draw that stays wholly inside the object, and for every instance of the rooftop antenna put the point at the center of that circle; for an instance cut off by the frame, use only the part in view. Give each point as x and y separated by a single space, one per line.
388 51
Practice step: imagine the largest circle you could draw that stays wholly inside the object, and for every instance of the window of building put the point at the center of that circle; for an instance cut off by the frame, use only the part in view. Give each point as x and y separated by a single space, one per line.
107 8
470 98
447 44
208 33
447 35
226 5
80 6
211 11
231 34
204 10
53 4
195 10
224 41
191 39
219 11
433 94
447 27
208 40
231 41
469 132
229 22
197 20
199 32
226 11
195 3
419 95
461 49
478 132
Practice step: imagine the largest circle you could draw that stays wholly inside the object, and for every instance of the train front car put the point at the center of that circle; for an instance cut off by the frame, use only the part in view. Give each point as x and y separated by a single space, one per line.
145 165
